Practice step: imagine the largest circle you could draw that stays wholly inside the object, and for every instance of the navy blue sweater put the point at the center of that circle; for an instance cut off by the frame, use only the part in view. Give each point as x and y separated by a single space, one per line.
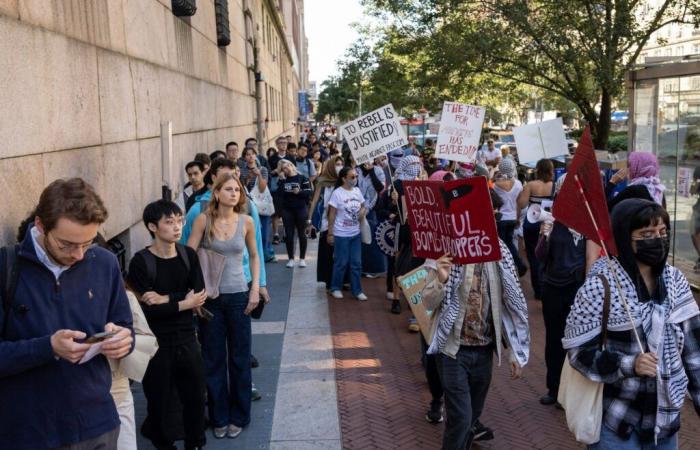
46 402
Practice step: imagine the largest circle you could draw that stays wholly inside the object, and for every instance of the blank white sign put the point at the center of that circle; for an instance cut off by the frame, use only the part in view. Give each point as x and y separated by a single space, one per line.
540 140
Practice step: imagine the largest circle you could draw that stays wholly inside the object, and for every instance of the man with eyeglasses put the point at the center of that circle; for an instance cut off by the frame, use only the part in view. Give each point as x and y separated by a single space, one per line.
60 291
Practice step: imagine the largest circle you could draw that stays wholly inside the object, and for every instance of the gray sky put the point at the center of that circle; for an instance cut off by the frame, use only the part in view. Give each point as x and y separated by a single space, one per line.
328 29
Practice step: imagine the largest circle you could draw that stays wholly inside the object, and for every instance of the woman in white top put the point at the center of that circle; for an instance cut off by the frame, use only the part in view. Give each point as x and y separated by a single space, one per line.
346 209
508 187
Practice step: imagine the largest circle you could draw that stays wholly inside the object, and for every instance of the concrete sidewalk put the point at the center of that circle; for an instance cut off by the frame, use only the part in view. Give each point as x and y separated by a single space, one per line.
296 376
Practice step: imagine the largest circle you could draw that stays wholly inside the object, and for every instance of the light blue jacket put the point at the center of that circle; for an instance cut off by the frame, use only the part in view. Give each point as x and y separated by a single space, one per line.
196 209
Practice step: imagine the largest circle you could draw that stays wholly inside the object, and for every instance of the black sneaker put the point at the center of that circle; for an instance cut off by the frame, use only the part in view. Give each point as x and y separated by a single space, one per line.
276 239
481 432
395 307
254 362
548 399
255 394
434 414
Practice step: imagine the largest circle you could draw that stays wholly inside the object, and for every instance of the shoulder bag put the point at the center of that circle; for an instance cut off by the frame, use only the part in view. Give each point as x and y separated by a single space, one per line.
212 264
263 200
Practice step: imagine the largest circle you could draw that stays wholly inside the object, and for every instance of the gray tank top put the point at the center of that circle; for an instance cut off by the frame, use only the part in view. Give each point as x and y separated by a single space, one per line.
233 279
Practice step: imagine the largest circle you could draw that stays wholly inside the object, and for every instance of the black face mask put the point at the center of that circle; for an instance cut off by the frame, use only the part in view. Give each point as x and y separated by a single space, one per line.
652 252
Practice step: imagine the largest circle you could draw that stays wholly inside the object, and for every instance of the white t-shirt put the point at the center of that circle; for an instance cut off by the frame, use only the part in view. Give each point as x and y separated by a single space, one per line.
347 205
509 200
492 155
325 198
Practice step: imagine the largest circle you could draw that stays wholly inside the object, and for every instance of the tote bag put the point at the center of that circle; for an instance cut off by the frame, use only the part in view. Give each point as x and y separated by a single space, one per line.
263 200
581 398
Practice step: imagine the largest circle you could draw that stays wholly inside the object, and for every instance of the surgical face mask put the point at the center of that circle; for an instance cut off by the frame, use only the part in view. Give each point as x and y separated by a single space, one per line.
352 182
652 252
338 168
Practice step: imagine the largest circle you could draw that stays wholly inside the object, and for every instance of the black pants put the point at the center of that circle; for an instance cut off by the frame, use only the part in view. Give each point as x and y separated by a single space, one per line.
556 305
531 234
176 368
506 229
466 381
390 274
294 219
431 372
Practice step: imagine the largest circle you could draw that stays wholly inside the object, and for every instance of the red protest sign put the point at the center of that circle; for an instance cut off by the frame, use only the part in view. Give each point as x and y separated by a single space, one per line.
454 217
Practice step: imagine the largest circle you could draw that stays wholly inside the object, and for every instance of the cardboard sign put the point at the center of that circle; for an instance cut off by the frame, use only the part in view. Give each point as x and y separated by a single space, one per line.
374 134
685 179
460 130
412 285
540 140
454 217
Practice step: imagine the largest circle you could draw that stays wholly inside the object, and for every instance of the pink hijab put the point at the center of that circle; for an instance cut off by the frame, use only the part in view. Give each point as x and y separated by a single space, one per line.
644 170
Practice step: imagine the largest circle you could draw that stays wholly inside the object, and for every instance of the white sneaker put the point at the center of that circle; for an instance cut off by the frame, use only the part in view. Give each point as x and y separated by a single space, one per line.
361 297
290 264
336 294
302 263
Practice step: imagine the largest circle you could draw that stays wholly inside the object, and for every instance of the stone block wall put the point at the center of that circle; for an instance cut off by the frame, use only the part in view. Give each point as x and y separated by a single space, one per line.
86 84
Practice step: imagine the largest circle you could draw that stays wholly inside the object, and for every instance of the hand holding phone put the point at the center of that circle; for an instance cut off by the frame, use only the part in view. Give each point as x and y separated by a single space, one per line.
99 337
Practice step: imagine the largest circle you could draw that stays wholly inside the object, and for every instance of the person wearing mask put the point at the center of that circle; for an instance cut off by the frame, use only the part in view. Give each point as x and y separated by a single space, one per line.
66 290
652 307
171 291
478 310
305 165
508 187
372 184
346 209
643 173
316 161
325 184
295 190
565 255
226 338
534 193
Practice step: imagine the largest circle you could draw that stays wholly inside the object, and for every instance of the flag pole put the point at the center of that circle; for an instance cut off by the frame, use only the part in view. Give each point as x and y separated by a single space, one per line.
609 261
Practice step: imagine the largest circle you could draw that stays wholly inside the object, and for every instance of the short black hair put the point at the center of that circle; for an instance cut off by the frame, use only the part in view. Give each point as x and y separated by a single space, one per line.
197 164
203 158
231 143
247 141
219 163
217 154
155 211
316 144
303 145
291 145
248 149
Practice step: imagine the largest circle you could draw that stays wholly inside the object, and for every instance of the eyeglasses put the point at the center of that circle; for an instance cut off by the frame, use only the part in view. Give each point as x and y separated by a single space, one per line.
651 235
70 246
172 222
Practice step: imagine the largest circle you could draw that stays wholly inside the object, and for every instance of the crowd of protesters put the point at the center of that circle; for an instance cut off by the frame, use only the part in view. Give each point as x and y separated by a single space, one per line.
180 320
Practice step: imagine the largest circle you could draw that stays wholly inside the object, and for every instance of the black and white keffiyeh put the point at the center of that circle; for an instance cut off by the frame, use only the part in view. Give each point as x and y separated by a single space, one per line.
450 308
658 322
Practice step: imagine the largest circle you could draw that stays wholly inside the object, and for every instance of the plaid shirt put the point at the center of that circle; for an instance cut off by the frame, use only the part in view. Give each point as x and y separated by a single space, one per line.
629 401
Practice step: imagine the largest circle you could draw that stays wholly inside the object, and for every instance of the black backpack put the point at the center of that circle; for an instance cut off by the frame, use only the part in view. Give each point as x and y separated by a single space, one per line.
150 260
8 281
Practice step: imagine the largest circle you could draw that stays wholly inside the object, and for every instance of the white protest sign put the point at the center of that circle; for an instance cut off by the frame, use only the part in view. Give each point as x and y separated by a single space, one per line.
374 134
540 140
460 130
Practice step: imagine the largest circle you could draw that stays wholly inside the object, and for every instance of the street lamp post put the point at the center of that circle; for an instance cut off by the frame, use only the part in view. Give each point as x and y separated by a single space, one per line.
424 113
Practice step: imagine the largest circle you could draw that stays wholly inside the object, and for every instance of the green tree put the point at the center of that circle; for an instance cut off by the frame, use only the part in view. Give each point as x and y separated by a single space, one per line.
578 50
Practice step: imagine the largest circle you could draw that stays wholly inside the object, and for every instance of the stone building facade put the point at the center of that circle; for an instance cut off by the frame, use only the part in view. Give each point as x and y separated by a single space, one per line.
90 88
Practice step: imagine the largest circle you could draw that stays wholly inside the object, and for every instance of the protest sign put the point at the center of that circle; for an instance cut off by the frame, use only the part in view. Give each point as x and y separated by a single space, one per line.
540 140
374 134
454 217
460 130
412 285
685 179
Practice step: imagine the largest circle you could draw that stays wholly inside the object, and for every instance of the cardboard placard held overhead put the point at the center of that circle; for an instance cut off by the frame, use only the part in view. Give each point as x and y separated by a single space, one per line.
540 140
460 130
454 217
374 134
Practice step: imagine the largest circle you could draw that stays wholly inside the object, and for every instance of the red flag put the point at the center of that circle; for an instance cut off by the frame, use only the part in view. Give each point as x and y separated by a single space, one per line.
581 203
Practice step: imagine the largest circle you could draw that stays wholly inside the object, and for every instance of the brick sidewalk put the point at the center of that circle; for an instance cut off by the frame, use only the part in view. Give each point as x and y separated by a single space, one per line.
383 395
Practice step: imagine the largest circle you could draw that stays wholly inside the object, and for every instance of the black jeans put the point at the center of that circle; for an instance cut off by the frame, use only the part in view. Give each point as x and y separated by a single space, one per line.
430 365
466 381
556 305
506 229
531 234
295 219
176 367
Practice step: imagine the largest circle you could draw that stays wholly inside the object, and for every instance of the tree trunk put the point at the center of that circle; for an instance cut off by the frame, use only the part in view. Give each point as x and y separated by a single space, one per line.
602 129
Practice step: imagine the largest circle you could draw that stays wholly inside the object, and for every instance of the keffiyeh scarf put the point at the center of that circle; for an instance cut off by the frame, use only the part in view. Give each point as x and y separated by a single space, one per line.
654 186
658 322
450 309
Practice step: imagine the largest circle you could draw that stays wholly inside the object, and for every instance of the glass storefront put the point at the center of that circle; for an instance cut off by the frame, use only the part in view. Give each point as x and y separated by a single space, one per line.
666 122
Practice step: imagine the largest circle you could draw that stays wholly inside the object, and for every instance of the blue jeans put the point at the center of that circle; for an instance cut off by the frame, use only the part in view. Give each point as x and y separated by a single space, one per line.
609 440
265 226
347 251
226 345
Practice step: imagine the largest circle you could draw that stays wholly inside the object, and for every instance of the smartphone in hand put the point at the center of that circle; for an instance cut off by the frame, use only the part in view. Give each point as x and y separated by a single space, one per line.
99 337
